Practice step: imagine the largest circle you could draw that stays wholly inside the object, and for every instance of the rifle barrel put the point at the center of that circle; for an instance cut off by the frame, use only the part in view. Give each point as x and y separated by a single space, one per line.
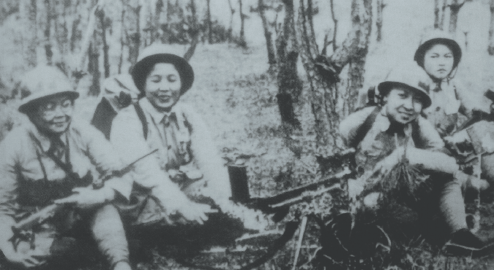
37 218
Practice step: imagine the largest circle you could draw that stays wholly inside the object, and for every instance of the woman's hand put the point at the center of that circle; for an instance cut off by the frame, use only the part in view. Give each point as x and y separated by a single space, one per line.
470 181
195 212
384 166
24 258
88 198
178 203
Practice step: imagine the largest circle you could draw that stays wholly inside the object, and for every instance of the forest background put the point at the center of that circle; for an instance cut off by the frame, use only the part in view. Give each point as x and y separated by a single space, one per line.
258 85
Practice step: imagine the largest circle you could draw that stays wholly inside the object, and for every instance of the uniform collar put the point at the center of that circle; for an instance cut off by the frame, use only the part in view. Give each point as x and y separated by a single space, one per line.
42 139
156 115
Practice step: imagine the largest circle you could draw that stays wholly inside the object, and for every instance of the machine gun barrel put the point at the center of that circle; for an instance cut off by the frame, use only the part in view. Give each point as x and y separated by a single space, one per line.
271 204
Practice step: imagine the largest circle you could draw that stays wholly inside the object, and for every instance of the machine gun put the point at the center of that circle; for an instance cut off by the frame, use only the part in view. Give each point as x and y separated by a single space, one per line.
22 228
279 204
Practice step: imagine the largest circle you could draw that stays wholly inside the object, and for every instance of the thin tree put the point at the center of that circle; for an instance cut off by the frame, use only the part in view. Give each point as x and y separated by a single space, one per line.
47 32
443 14
490 49
103 26
242 25
437 14
76 32
335 25
122 39
93 69
28 10
194 31
267 36
289 85
454 7
379 18
361 19
208 20
132 28
61 12
230 25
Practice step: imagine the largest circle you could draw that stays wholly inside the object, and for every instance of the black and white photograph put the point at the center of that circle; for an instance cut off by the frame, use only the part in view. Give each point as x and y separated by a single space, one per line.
246 134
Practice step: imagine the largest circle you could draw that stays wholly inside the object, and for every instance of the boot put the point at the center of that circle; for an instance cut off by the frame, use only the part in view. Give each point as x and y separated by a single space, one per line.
463 243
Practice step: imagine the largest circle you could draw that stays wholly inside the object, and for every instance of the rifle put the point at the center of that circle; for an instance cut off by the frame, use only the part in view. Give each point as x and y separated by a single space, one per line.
49 211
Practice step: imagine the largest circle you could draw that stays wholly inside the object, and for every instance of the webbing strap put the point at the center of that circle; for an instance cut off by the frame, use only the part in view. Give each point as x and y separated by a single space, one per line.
142 117
365 127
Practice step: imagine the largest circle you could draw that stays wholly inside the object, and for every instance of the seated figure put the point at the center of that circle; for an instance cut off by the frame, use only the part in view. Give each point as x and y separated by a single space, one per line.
384 135
50 159
185 182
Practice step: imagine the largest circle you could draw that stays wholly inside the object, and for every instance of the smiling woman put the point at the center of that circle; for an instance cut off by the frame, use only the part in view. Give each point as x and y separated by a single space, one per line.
163 86
186 182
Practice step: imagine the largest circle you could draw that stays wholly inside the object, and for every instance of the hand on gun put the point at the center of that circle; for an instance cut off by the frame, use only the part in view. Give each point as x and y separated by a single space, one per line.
87 197
383 167
196 212
470 181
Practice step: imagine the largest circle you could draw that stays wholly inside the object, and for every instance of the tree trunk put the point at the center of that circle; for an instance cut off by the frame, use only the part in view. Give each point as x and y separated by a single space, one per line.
379 18
323 78
490 49
163 22
322 97
361 19
443 14
61 31
47 33
242 25
193 31
132 29
210 27
453 19
289 85
28 10
437 14
268 36
122 40
335 23
230 25
106 62
93 69
75 33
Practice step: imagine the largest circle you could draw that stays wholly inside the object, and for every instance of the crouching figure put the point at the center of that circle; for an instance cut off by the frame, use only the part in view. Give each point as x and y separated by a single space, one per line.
49 161
397 149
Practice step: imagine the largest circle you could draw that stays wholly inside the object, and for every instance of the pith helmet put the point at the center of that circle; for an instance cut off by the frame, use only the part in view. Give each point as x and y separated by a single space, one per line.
434 37
44 82
160 53
411 77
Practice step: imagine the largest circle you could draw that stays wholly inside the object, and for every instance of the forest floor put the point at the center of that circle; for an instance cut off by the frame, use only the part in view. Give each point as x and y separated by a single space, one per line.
237 99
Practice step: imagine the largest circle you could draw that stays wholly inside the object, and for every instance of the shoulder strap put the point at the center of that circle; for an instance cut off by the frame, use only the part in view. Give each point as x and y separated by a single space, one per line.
416 134
365 127
142 117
